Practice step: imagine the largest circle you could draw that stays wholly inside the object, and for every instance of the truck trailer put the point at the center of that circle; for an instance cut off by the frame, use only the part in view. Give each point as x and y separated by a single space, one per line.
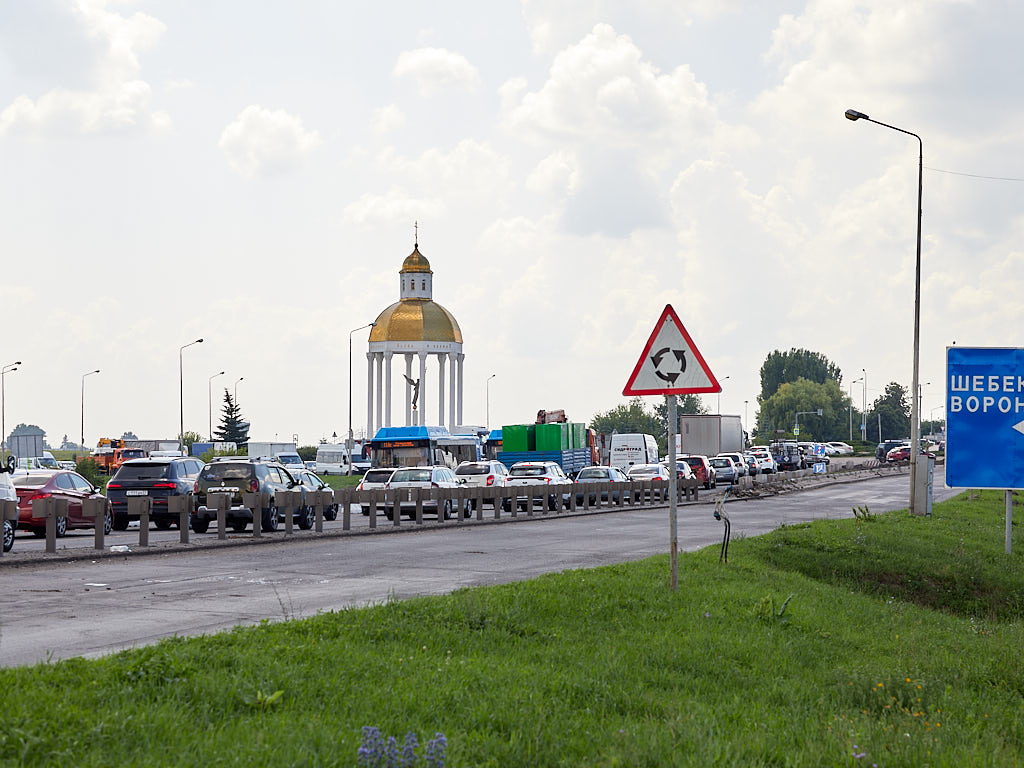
710 434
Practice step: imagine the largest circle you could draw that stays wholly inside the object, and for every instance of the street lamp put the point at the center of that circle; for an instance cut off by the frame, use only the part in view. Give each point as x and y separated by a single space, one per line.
209 399
240 378
351 442
181 391
864 408
9 368
915 427
851 407
720 396
487 387
90 373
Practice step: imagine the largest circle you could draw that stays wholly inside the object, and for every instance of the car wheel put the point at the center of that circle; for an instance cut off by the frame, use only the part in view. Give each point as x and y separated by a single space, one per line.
365 510
62 526
331 513
552 502
162 524
200 524
120 521
108 522
447 511
269 518
389 513
468 511
307 517
239 525
8 535
507 505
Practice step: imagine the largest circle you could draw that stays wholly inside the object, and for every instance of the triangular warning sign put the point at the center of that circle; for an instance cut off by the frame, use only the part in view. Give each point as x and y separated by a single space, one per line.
671 363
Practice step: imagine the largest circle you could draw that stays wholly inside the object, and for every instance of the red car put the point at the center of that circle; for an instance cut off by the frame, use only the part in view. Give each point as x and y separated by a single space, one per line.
900 453
60 484
702 469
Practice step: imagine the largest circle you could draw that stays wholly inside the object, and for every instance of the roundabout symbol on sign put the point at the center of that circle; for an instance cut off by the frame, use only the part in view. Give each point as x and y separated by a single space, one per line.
680 357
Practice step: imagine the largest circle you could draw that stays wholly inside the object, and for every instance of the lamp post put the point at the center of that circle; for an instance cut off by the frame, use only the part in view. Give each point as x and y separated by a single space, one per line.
90 373
240 378
181 391
9 368
915 427
487 387
351 442
720 396
209 399
864 408
745 425
851 407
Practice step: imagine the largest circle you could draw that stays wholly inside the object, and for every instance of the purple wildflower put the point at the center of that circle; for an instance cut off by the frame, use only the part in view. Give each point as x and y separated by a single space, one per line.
434 752
408 759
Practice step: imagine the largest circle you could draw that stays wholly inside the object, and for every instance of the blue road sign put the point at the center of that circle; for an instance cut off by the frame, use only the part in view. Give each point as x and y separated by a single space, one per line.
984 417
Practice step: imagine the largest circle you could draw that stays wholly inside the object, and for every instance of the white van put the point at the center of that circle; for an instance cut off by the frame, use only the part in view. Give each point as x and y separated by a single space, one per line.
632 448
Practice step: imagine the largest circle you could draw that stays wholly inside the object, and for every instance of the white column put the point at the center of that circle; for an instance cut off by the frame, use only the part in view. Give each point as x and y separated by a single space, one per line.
462 357
451 390
422 420
440 389
408 390
387 388
380 387
369 396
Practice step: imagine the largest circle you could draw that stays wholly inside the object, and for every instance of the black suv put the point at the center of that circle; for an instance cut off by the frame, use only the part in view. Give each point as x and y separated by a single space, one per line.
883 448
237 475
158 478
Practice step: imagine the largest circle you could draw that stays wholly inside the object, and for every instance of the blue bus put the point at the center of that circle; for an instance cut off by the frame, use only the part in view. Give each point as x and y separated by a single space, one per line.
422 446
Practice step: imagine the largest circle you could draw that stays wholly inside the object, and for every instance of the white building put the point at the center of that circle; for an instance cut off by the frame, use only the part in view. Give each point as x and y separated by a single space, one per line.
426 336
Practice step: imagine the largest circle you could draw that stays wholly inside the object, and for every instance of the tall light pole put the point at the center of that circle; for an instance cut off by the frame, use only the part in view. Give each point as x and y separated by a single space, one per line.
915 425
9 368
240 378
745 425
851 407
720 395
90 373
181 390
487 387
864 408
351 442
209 399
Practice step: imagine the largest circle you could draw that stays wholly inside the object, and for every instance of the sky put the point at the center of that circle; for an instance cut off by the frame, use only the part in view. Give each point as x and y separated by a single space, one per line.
250 173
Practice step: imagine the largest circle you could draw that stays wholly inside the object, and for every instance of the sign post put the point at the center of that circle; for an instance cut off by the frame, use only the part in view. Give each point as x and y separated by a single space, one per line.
985 417
671 365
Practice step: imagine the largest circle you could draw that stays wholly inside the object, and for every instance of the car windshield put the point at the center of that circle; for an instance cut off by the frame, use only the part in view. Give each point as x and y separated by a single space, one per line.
377 475
147 471
471 469
593 474
718 463
528 471
31 481
411 476
644 471
227 472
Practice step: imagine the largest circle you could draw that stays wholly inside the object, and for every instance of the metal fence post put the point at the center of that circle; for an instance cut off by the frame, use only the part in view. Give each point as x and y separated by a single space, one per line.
318 524
182 507
44 508
97 510
419 506
346 507
288 501
251 501
375 495
141 506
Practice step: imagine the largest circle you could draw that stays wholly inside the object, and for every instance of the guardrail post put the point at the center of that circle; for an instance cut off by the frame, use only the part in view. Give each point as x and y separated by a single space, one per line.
97 510
418 498
288 501
141 506
499 501
251 501
481 495
586 496
565 488
9 511
45 508
318 523
181 506
220 505
346 507
375 495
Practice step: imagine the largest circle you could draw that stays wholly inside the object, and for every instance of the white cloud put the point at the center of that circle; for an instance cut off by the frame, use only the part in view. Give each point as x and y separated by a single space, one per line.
387 119
557 174
263 142
396 208
435 69
119 99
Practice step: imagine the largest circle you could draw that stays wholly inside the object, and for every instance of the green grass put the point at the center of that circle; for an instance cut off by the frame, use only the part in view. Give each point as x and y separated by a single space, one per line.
337 482
900 636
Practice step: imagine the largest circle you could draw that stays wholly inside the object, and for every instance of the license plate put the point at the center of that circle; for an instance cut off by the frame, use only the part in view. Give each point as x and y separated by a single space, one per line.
136 493
221 489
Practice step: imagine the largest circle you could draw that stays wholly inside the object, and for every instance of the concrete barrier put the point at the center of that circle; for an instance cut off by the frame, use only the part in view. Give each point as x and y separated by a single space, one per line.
143 507
97 510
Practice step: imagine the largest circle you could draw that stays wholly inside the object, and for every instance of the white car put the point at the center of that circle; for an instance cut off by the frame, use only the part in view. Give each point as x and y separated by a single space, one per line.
482 474
737 459
7 493
374 479
309 482
405 478
841 448
525 473
765 461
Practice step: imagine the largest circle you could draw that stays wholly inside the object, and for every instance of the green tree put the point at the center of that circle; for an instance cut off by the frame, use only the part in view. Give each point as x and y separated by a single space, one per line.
782 367
632 417
307 452
232 429
779 411
893 411
189 438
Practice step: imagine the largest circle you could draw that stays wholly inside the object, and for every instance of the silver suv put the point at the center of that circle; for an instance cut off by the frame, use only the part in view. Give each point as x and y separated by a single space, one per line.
423 477
482 474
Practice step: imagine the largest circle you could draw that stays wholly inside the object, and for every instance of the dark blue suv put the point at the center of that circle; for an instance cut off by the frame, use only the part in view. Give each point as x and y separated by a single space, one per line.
158 478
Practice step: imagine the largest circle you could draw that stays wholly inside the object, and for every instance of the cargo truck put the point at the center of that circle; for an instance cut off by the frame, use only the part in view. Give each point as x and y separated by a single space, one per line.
710 434
568 444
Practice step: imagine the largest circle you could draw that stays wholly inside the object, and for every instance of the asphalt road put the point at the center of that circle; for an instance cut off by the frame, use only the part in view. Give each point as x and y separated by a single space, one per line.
59 609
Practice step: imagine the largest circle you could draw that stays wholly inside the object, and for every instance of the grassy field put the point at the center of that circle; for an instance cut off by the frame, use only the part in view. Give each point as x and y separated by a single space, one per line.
886 641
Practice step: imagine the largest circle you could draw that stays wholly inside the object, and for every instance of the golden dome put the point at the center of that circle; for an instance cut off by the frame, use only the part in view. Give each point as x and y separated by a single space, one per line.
416 320
416 262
